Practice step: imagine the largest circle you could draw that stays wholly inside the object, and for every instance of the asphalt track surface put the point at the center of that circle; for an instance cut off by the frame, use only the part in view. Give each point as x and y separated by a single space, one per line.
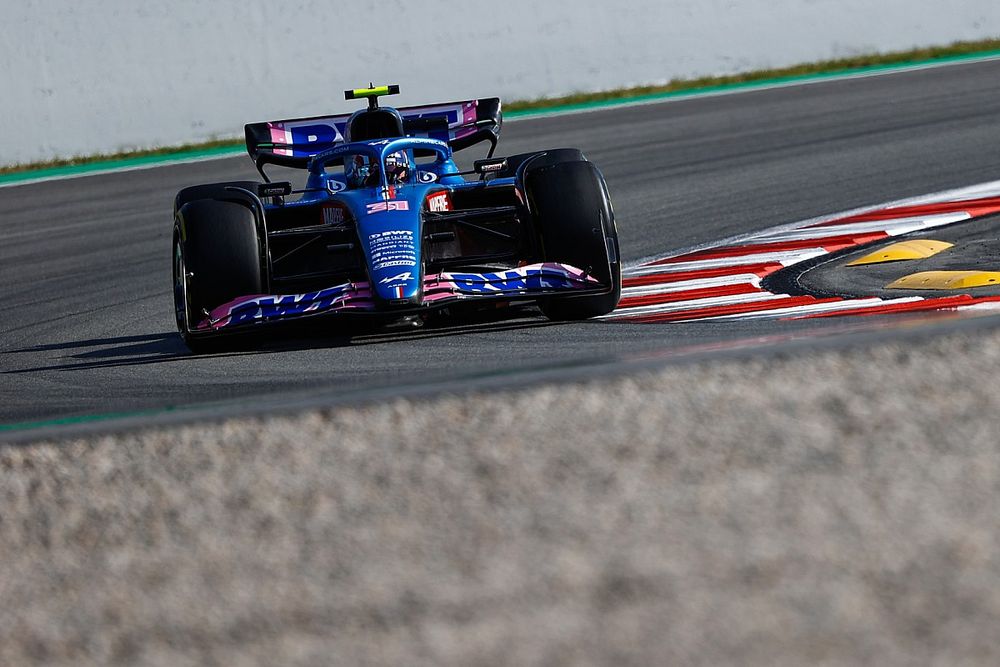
88 326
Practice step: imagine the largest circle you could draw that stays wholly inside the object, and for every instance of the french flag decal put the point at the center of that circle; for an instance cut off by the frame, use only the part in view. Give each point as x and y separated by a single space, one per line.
398 291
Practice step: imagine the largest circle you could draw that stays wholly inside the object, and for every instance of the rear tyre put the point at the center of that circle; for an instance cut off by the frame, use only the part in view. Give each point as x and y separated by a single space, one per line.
576 226
216 259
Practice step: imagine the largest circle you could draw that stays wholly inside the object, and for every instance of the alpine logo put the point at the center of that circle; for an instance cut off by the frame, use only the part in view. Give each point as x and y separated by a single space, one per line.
402 277
391 205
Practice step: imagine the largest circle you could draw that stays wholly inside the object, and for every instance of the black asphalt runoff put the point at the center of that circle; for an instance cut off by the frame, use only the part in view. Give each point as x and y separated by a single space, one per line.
88 323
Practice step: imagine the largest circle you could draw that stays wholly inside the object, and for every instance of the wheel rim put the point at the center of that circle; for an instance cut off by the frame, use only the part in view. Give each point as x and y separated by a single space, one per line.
180 287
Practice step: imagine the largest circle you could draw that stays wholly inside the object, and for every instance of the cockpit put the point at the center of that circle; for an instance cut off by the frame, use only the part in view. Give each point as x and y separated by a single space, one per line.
381 163
362 170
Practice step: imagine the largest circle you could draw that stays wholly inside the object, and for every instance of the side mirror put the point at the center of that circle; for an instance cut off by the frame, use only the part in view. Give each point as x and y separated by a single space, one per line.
490 166
274 189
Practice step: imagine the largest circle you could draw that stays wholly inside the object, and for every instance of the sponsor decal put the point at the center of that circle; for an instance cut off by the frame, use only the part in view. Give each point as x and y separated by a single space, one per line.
392 248
333 215
293 304
426 176
490 166
391 205
406 275
304 136
333 185
439 202
515 280
274 189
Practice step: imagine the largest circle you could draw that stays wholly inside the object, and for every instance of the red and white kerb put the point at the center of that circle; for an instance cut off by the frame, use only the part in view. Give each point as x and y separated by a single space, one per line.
723 280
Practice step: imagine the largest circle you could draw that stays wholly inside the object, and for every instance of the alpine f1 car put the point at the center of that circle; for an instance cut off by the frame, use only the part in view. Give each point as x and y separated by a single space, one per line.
388 226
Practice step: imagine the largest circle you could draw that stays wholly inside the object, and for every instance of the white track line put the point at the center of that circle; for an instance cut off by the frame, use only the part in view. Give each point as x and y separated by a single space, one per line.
987 305
894 227
977 191
686 285
694 304
785 258
813 308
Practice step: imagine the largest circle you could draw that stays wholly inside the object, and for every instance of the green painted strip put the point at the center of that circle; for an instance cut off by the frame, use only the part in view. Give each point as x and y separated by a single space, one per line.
105 166
82 419
750 85
101 166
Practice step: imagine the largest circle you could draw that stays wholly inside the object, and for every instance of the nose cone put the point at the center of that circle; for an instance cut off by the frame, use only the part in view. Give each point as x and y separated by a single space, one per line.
392 245
402 288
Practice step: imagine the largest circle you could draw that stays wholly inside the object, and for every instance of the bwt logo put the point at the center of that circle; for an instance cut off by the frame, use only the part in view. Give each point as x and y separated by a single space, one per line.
289 304
508 281
392 205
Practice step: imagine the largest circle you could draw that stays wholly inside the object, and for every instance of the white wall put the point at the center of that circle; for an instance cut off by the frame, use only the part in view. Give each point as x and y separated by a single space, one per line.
87 76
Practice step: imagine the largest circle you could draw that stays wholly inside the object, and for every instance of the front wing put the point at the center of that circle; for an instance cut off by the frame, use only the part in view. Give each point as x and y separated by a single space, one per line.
441 289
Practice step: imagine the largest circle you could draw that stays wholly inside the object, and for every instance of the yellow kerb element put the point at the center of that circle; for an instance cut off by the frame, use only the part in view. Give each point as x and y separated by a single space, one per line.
913 249
947 280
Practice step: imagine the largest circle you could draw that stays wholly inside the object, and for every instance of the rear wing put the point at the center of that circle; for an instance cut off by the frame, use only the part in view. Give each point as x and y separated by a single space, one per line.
292 143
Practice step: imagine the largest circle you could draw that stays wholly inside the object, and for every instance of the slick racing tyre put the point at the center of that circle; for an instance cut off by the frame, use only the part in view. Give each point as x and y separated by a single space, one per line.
216 259
576 225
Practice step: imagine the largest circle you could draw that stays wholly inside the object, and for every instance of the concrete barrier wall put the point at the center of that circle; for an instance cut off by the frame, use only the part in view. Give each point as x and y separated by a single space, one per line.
80 78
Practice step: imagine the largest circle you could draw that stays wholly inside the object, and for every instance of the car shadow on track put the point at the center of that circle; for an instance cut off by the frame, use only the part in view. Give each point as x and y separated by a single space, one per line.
167 347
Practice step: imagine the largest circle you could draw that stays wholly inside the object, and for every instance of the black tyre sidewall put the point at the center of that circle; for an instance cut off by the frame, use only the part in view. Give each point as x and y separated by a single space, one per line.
573 218
221 255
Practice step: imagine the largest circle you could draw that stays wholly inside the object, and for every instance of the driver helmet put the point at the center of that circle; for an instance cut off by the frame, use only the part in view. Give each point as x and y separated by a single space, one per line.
360 172
397 167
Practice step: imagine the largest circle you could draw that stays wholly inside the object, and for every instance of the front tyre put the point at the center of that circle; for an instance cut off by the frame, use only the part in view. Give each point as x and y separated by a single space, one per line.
216 258
576 226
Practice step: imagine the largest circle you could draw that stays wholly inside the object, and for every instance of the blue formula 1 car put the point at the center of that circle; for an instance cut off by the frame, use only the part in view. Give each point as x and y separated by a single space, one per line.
388 226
